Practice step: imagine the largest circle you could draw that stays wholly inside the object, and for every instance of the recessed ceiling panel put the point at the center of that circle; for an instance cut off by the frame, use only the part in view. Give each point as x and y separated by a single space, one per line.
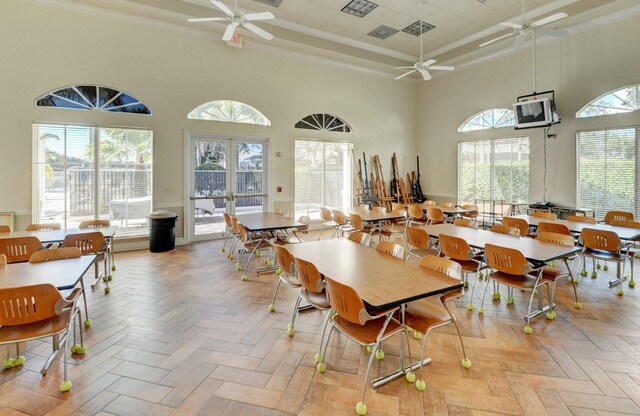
414 28
359 8
383 32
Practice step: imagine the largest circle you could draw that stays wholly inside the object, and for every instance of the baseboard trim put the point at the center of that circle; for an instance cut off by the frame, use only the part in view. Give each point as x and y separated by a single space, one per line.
140 245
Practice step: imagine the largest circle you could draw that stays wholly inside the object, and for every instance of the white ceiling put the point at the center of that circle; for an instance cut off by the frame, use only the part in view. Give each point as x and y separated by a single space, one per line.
319 27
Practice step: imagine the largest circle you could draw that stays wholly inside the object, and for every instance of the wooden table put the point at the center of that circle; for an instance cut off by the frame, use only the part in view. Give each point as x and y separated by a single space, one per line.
377 217
63 274
381 281
625 233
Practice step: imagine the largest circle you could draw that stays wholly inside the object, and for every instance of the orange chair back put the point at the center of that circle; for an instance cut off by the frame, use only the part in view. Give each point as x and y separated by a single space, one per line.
443 266
379 210
465 222
473 214
506 260
391 248
628 224
28 304
417 237
241 230
325 213
518 223
556 238
612 216
545 214
396 206
339 217
95 224
283 258
429 203
227 220
356 221
600 240
309 276
3 260
581 218
360 238
236 225
89 243
435 215
415 211
346 302
447 204
5 229
362 209
306 220
505 229
19 249
455 247
45 226
59 253
553 227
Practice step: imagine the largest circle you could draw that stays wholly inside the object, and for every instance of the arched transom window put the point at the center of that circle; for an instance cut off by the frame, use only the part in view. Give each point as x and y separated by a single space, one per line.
488 119
229 111
623 100
93 97
321 121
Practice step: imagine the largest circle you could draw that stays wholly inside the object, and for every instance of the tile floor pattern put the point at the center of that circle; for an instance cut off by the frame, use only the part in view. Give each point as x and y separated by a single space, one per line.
181 334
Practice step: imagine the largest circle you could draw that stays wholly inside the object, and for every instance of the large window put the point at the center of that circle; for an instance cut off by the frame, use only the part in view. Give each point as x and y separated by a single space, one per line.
93 97
323 176
230 112
494 169
489 119
84 172
623 100
608 170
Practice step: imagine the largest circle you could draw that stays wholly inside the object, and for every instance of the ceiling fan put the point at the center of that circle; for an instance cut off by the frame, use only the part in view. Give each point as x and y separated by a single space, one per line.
525 28
421 66
237 19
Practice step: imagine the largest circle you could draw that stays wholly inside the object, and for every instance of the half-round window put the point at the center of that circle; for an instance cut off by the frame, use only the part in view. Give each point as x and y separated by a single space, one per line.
623 100
93 97
489 119
327 122
229 111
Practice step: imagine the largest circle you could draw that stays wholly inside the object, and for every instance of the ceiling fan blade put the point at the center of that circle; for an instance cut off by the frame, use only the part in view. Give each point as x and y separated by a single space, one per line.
429 62
260 32
511 25
443 68
220 5
406 73
425 74
552 32
228 33
405 67
259 16
518 44
549 19
206 19
489 42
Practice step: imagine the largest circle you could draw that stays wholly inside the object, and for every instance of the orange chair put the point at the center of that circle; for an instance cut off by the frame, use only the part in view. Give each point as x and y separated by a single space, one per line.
228 232
343 225
91 243
391 248
5 229
306 220
327 220
553 274
39 311
312 290
354 321
427 314
19 249
45 226
360 237
434 216
448 204
429 203
545 214
357 223
3 260
465 222
472 215
504 229
581 218
553 227
612 216
253 245
518 223
362 209
396 206
110 254
607 246
415 215
379 210
509 267
459 251
62 253
419 242
285 271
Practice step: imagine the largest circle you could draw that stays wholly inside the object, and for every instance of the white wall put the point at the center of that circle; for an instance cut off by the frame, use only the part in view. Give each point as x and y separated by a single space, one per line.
579 68
44 48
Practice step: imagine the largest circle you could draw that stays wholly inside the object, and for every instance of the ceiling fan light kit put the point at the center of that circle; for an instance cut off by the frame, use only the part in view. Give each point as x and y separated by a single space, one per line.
237 18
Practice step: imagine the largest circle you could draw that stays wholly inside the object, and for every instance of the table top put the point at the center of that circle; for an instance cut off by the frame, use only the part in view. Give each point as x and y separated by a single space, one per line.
57 236
376 217
265 221
381 281
625 233
454 210
63 274
534 250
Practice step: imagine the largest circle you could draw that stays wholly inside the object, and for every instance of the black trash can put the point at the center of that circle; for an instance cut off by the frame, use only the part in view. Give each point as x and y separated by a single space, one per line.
162 231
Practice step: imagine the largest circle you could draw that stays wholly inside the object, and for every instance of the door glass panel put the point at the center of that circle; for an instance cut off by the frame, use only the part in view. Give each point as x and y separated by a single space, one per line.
249 178
210 180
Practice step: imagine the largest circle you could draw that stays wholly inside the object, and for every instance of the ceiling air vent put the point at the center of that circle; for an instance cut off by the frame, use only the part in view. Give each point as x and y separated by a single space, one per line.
382 32
274 3
359 8
414 28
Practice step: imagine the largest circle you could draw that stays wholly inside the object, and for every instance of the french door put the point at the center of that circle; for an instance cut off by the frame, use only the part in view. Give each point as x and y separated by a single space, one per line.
225 175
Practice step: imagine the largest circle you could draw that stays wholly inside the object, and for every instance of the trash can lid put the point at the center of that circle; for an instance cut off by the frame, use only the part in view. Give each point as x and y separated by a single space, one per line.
163 213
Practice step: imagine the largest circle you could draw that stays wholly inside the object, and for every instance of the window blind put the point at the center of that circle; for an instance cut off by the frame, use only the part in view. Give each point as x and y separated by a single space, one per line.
607 169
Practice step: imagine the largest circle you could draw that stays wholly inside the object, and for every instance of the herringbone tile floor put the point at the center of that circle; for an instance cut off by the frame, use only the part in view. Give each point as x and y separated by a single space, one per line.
181 334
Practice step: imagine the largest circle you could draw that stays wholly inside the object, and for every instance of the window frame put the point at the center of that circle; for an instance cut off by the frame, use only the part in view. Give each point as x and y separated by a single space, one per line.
86 105
191 115
612 92
461 128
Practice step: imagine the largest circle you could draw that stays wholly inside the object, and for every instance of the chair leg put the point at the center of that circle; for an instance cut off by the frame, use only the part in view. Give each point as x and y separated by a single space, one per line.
322 366
319 357
226 237
484 295
321 229
291 328
88 321
361 407
66 384
105 277
466 362
272 307
246 267
551 294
